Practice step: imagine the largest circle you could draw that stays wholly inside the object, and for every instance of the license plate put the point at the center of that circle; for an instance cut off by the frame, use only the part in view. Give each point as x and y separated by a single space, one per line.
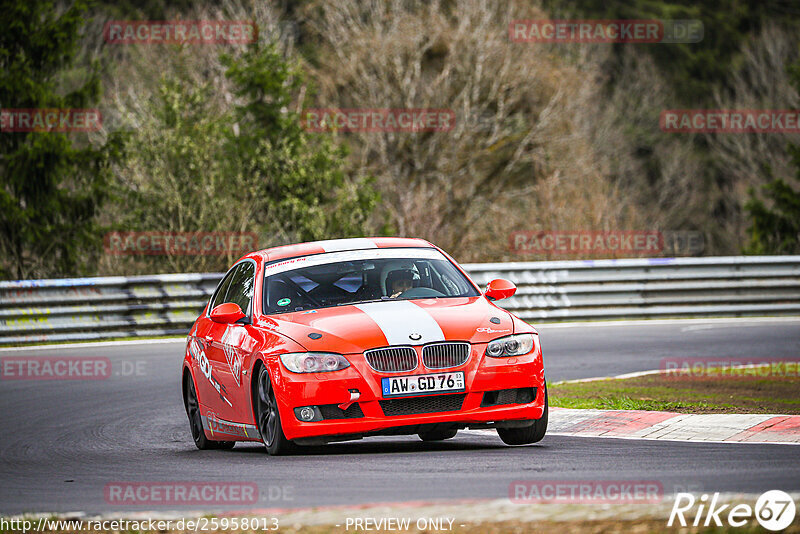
399 386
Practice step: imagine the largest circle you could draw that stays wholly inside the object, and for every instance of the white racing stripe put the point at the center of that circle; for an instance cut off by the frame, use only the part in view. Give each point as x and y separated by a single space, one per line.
336 245
397 320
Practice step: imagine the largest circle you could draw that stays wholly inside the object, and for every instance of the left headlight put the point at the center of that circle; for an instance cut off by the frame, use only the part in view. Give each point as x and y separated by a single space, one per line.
516 345
314 362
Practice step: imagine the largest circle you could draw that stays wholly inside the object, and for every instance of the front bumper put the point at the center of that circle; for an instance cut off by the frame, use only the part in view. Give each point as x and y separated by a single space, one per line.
370 414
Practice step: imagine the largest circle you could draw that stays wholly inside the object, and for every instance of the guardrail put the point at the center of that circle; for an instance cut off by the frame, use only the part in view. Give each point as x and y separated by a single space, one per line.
110 307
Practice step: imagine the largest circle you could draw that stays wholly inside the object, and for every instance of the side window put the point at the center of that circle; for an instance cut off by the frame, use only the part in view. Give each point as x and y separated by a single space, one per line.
242 284
219 296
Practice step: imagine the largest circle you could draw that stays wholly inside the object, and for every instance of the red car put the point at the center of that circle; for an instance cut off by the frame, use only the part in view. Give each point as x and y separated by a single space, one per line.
338 340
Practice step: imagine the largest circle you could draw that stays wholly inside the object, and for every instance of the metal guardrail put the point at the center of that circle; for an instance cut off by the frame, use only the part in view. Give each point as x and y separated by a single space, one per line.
99 308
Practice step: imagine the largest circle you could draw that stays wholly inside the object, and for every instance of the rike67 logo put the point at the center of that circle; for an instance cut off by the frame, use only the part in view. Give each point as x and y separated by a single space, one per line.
774 510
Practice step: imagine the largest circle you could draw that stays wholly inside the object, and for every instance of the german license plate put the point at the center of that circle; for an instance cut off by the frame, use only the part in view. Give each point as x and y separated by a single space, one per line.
398 386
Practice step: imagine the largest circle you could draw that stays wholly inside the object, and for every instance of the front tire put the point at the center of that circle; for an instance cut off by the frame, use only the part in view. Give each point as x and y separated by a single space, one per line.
196 422
527 434
268 417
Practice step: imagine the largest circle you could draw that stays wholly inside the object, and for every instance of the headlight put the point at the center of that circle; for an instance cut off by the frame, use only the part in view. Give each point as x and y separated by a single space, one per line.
510 346
314 362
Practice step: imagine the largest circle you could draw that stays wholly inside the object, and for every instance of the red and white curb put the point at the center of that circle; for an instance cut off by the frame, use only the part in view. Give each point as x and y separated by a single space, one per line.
640 424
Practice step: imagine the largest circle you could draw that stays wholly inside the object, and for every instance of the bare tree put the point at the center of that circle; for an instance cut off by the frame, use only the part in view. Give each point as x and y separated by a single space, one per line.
517 157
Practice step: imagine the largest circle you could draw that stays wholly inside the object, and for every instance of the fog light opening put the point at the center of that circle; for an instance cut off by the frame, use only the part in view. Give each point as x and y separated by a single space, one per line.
306 413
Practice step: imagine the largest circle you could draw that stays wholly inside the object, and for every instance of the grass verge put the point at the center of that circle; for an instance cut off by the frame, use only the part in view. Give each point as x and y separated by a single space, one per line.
710 393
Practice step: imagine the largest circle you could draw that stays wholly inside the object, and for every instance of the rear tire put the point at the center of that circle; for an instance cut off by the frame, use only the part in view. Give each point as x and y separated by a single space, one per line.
439 435
268 417
196 423
527 434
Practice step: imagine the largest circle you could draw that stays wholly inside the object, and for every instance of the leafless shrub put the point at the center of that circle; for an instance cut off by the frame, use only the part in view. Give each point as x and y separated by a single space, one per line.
660 176
517 158
751 160
541 140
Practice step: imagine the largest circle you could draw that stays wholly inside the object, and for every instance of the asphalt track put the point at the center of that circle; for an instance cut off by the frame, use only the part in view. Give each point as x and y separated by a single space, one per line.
63 441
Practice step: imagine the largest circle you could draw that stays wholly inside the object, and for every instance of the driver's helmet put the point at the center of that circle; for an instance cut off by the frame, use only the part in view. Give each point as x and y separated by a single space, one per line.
400 275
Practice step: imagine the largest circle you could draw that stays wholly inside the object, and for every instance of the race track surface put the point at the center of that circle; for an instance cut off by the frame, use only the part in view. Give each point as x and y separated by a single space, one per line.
64 441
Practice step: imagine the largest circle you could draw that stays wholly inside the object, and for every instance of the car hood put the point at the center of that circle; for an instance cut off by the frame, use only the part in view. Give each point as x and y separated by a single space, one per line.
356 328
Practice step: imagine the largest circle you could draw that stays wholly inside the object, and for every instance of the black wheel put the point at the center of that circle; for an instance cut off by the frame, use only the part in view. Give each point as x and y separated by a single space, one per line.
438 435
527 434
196 423
268 417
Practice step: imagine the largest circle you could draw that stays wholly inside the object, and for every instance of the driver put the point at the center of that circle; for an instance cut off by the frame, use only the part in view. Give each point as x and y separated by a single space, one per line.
399 282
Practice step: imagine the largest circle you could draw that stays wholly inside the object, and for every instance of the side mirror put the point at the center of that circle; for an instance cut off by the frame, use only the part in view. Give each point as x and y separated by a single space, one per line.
500 289
226 313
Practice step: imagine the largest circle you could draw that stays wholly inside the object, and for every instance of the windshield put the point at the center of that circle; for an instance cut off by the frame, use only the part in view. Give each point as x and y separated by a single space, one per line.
353 277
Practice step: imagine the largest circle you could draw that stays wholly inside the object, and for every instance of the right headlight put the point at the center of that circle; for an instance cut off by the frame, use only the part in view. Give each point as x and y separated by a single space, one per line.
515 345
314 362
